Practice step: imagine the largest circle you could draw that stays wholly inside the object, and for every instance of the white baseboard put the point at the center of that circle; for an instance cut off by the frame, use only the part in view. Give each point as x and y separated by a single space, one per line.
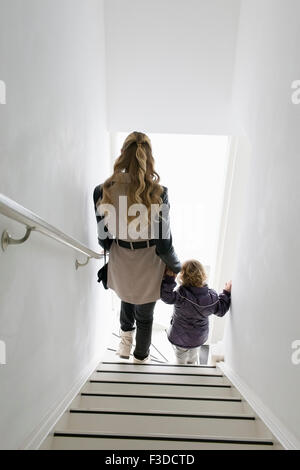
37 437
279 430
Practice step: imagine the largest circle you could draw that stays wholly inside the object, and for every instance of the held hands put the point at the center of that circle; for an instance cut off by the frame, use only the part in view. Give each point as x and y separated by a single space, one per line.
168 272
228 286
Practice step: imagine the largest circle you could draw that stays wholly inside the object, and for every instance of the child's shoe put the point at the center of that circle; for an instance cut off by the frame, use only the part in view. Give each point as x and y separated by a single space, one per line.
125 344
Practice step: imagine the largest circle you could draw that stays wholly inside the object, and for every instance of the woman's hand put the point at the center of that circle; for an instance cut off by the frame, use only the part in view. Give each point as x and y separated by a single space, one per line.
168 272
228 286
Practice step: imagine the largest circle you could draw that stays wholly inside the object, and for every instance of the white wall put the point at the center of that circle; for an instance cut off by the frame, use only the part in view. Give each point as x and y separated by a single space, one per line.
53 151
170 65
236 184
265 317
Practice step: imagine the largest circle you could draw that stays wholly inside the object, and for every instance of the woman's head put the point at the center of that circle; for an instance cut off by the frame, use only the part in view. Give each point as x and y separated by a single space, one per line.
192 274
137 160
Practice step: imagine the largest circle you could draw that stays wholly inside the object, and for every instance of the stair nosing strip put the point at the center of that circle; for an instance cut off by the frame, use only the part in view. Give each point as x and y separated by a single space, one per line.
162 414
99 371
169 397
161 383
160 365
164 438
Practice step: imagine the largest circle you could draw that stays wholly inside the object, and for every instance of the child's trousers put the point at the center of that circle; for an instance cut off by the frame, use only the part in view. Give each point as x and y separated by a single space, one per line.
186 355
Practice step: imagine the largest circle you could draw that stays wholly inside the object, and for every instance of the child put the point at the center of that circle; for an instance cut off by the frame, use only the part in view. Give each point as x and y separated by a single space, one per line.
193 302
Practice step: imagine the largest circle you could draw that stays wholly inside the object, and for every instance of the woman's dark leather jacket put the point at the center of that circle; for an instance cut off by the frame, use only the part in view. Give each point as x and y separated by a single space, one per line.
163 240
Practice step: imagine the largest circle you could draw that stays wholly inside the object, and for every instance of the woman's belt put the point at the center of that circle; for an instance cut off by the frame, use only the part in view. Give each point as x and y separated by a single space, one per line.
135 245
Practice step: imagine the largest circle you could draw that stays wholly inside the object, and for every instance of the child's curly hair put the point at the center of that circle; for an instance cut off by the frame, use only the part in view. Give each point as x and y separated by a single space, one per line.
192 274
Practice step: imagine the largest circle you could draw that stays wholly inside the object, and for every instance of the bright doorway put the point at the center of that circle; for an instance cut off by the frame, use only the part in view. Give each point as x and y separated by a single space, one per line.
194 168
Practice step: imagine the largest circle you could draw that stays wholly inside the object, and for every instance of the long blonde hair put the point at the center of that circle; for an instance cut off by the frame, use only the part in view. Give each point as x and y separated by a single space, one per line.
137 160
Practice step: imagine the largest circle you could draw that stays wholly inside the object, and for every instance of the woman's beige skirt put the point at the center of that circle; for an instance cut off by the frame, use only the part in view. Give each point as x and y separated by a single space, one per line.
135 275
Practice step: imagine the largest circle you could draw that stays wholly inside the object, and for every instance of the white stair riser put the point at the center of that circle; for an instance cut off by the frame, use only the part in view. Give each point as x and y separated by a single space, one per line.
137 378
161 390
167 405
157 425
67 443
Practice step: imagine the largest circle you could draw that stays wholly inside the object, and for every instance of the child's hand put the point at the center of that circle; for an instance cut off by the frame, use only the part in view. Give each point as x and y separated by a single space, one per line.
168 272
228 286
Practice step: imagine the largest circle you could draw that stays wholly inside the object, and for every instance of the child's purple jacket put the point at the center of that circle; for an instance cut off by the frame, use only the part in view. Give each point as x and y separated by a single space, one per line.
192 307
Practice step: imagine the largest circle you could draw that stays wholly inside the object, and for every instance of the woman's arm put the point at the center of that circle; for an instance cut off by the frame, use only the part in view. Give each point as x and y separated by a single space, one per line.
105 243
164 244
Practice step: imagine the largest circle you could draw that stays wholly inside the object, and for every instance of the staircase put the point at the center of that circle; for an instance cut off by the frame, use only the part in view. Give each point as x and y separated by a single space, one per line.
125 406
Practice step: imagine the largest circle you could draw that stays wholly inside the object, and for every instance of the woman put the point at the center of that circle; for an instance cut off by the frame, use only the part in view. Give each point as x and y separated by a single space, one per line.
136 263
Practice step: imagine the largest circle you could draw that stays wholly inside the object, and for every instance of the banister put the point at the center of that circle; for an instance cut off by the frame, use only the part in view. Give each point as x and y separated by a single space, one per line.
33 222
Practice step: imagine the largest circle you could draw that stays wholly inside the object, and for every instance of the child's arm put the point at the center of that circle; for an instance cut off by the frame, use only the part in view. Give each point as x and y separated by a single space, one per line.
167 293
223 304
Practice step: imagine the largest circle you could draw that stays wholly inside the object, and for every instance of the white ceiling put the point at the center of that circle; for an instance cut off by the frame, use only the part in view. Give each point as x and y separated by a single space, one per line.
170 65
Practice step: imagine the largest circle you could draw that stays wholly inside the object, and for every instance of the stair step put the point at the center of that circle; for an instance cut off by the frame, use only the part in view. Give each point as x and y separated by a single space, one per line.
160 369
163 413
135 403
161 426
152 364
139 389
106 443
171 379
